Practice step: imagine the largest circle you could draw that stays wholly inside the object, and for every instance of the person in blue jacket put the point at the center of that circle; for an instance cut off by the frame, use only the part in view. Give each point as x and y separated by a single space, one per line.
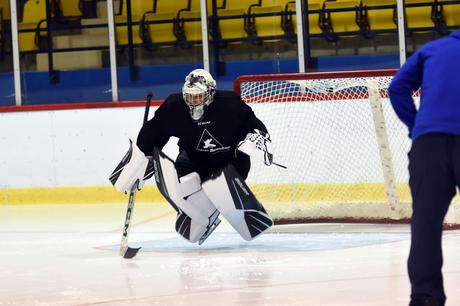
434 158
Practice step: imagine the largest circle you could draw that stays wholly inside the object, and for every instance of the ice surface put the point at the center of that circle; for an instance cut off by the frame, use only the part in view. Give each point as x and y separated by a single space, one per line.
68 255
271 242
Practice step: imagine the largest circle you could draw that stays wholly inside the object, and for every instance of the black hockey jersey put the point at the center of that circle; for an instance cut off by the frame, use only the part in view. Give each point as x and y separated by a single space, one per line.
212 140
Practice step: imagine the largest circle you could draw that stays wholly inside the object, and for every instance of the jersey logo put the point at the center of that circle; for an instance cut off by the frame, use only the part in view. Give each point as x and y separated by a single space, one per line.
209 143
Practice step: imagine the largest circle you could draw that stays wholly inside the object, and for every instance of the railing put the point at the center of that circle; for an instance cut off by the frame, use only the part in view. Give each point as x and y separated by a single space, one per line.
54 26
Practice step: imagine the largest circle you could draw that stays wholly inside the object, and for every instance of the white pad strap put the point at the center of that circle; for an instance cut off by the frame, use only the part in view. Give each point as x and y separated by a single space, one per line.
132 168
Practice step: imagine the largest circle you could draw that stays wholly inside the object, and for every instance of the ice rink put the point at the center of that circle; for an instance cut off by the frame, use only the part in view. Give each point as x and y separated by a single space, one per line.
68 255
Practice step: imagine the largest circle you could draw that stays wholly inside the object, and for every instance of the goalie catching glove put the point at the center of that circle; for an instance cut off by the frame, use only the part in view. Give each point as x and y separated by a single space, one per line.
133 170
258 145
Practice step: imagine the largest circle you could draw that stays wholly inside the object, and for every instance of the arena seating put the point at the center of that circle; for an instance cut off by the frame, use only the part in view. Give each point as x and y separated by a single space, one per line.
158 23
379 15
163 10
2 35
190 30
234 29
5 6
69 9
138 9
419 16
340 17
314 7
166 22
451 13
269 28
34 18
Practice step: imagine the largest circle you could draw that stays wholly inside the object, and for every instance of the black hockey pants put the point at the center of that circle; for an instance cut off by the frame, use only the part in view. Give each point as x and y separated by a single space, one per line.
184 165
434 170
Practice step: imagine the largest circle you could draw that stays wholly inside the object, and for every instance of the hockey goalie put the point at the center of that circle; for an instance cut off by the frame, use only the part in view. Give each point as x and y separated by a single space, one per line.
217 134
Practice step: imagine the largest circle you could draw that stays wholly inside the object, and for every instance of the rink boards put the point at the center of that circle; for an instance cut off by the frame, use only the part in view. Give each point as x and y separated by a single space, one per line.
66 156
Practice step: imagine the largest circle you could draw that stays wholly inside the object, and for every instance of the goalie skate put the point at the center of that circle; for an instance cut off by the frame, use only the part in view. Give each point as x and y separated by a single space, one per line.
210 229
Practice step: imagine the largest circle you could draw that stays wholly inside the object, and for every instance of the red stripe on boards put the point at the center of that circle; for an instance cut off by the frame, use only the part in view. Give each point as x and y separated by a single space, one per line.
74 106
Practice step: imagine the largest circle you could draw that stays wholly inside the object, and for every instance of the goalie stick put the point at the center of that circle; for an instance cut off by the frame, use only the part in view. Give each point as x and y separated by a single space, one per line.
279 165
125 250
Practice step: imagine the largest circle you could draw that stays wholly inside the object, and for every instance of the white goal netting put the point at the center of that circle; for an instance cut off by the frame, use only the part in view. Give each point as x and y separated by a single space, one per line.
344 147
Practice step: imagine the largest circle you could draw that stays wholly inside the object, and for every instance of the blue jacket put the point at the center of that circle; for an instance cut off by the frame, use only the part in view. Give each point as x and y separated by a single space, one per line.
435 68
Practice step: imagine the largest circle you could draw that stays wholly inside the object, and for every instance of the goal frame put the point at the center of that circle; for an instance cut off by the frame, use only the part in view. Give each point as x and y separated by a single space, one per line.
310 76
381 135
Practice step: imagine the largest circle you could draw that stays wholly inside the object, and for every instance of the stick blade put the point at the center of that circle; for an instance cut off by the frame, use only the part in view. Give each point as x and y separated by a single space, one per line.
131 252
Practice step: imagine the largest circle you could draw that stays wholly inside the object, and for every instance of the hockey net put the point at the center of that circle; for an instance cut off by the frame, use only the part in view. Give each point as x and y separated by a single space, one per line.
344 148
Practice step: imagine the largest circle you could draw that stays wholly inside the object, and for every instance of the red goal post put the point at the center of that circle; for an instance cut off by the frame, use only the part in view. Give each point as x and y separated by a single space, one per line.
344 147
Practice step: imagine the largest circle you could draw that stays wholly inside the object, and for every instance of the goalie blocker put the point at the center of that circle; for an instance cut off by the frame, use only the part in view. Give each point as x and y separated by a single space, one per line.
225 191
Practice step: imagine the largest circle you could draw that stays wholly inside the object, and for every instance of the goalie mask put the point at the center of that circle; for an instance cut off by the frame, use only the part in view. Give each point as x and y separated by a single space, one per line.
198 92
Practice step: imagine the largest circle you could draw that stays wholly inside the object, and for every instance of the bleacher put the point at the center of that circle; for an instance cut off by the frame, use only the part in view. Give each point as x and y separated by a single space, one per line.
159 26
378 16
5 10
81 41
2 36
450 12
233 20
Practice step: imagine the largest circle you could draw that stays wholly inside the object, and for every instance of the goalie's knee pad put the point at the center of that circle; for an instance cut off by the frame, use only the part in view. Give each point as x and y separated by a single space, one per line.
197 202
196 213
199 209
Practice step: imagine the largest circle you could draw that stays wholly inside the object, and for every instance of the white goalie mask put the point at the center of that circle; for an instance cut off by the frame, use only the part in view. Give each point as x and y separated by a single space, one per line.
198 92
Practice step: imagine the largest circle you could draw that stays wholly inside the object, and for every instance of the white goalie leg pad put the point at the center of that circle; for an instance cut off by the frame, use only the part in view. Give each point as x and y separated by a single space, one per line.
186 196
194 195
235 201
197 206
132 168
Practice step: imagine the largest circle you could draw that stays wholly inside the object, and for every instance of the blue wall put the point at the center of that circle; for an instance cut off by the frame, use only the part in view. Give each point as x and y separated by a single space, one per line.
6 89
